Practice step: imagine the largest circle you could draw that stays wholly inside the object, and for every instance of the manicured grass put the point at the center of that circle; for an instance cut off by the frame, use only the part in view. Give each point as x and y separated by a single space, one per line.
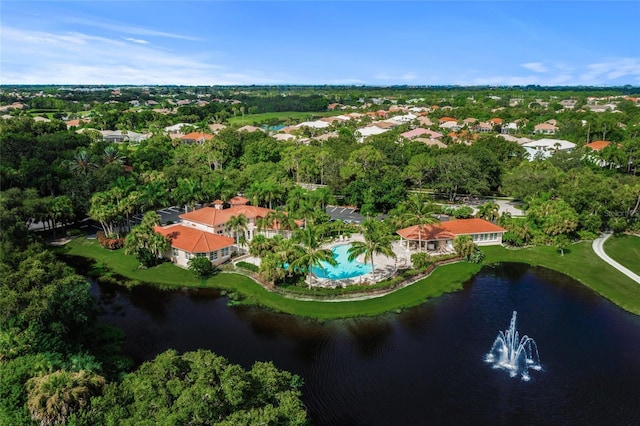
281 116
625 249
581 264
445 279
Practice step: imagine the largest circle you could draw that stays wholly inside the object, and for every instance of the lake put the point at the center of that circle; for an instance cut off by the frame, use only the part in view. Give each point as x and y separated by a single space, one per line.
424 365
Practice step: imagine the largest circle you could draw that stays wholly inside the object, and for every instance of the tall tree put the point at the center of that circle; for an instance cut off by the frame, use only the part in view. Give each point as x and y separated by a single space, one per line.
310 240
377 240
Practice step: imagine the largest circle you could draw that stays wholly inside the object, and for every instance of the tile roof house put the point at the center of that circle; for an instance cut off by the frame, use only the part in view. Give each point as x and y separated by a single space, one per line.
204 232
189 242
598 145
439 237
412 134
545 129
196 137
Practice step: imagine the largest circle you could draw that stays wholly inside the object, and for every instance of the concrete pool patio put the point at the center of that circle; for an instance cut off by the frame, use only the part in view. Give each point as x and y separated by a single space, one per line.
385 267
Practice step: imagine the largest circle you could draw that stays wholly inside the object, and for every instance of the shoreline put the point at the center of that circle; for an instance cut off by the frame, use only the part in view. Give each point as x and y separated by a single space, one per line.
579 263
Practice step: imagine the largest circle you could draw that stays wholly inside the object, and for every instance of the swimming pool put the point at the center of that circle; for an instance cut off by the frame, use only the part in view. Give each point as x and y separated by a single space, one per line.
344 268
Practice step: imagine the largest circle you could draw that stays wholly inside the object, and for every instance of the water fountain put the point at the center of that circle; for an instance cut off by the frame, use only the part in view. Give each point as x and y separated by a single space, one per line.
513 354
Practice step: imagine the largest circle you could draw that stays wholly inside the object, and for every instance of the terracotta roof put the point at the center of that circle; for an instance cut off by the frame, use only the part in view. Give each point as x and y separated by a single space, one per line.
211 216
415 133
218 202
445 119
193 240
238 200
448 230
197 136
496 120
598 145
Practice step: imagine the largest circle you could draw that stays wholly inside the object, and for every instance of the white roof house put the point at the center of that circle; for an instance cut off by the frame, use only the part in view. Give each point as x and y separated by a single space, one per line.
369 131
546 147
318 124
175 128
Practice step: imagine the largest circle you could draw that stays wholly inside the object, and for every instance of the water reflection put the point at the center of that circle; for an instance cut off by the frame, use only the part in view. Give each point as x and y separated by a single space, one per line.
423 366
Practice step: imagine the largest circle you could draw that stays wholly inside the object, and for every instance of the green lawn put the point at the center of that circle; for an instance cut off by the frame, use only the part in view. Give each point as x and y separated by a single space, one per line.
280 116
625 249
579 262
444 279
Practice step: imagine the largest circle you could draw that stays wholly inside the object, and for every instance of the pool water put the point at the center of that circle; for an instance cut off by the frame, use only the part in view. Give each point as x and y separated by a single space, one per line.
344 268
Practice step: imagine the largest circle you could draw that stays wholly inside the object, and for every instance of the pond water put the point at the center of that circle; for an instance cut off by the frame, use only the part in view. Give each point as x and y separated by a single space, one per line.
425 365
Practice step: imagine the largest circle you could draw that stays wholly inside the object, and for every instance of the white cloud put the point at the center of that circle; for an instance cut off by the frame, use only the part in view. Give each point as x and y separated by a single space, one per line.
136 40
38 57
128 29
605 72
535 67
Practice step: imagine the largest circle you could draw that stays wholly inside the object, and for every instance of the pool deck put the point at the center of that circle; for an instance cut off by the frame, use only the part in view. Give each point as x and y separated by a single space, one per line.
384 266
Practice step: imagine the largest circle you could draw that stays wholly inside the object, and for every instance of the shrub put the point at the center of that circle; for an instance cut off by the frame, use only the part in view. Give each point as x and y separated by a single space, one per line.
248 266
512 239
109 243
201 267
476 257
420 260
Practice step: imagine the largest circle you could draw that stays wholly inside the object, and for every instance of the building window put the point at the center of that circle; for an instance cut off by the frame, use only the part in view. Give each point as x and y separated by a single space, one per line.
213 255
201 254
175 252
225 252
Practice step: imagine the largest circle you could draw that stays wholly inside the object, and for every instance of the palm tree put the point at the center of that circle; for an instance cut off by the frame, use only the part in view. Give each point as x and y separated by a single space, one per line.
259 246
81 165
235 224
417 211
280 220
489 211
188 192
311 253
464 246
377 240
112 155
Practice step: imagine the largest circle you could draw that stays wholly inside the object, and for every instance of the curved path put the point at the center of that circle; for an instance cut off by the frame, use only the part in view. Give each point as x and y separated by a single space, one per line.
598 247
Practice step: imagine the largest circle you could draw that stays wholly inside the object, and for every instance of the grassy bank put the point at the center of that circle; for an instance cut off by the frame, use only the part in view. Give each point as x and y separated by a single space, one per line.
444 279
581 264
625 249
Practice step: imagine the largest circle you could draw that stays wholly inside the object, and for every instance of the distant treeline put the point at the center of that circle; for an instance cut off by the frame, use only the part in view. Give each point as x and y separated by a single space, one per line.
284 103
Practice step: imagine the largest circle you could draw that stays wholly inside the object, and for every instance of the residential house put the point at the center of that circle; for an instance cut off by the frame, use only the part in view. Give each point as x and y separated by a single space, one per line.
545 129
196 137
188 242
176 128
439 237
119 136
450 125
412 134
546 147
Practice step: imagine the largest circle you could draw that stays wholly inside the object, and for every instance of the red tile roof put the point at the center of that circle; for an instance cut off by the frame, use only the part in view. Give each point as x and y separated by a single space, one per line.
445 119
238 200
448 230
193 240
211 216
197 136
598 145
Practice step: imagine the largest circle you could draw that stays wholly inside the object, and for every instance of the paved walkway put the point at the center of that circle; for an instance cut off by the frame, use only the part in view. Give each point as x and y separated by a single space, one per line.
598 247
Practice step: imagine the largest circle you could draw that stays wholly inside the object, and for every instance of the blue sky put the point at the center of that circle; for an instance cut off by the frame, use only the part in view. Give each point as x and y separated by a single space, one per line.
320 42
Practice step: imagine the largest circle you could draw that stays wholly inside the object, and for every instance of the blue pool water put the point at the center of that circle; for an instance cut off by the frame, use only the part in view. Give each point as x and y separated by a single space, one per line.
344 268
